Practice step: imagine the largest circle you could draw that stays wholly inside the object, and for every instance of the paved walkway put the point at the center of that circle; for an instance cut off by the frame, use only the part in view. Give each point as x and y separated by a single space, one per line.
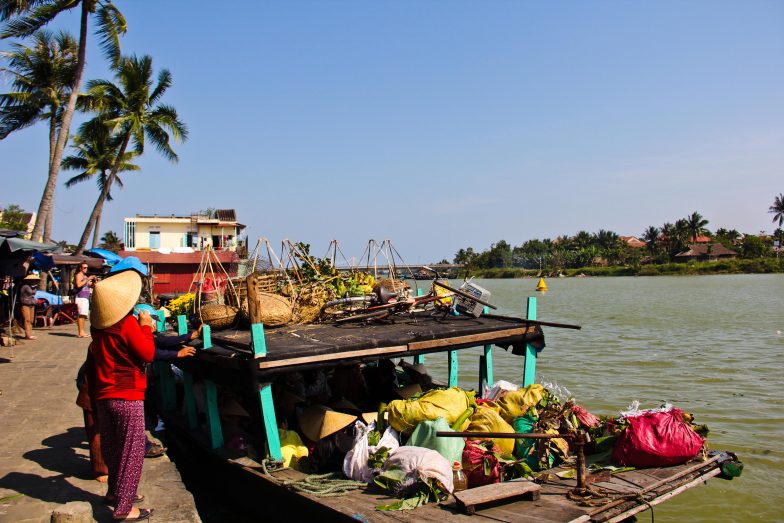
43 454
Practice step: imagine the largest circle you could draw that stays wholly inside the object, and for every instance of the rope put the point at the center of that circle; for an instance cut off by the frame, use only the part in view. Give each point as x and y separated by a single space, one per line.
324 485
269 464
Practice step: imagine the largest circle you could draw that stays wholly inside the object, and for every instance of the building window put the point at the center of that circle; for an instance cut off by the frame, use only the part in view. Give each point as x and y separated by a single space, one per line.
155 240
130 235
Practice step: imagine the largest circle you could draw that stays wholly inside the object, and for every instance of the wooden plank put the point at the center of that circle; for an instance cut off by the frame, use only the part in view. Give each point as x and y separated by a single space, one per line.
400 349
468 500
700 480
270 421
454 368
467 339
529 374
258 341
182 324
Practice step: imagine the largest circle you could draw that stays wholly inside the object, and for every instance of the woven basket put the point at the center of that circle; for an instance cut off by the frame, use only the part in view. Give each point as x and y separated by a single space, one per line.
272 310
218 316
393 285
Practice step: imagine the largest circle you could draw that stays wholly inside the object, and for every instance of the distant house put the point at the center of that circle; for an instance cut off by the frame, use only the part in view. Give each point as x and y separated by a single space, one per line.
706 252
632 241
183 233
172 246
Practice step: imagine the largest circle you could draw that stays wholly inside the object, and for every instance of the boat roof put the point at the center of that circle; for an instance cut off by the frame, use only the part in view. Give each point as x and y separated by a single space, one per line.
296 346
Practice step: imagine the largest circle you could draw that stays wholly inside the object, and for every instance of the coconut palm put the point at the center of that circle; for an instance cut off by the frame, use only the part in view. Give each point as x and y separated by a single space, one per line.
41 75
777 209
22 19
606 240
132 112
651 237
110 241
695 224
96 151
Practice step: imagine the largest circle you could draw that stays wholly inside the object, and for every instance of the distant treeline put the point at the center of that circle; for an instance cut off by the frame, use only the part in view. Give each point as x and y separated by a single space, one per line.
606 253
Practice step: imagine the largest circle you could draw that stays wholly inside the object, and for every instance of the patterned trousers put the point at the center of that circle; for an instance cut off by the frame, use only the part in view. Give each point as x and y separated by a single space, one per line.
121 423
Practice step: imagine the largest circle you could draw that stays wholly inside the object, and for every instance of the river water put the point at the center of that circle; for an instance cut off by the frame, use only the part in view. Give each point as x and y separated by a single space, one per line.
710 345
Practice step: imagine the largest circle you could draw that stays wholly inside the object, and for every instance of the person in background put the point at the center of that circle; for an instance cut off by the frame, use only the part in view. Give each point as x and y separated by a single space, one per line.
27 301
168 348
85 382
122 347
82 286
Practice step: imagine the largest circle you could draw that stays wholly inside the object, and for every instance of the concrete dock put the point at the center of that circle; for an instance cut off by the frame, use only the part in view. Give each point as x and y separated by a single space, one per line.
44 460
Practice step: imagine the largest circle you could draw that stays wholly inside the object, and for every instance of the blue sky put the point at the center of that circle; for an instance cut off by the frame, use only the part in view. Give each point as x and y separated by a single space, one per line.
442 125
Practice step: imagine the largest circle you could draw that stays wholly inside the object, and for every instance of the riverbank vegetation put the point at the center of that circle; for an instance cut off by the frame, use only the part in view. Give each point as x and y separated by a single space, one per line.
683 247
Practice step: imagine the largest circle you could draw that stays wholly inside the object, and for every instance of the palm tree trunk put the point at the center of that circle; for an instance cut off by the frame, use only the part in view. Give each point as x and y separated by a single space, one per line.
94 216
98 209
47 199
97 230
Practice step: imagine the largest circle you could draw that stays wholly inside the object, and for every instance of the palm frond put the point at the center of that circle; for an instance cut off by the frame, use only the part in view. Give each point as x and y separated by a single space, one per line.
31 15
164 82
111 25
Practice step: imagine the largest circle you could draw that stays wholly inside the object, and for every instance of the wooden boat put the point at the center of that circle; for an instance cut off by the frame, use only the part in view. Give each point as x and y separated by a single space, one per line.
251 360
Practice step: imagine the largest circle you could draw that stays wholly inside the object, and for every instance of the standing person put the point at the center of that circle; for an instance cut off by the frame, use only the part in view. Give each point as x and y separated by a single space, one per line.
82 286
122 348
85 382
27 300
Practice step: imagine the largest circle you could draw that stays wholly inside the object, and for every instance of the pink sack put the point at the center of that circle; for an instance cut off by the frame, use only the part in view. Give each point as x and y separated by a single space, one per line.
480 463
656 439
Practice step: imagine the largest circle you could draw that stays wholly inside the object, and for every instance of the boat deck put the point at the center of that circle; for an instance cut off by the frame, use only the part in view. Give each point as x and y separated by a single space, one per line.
627 493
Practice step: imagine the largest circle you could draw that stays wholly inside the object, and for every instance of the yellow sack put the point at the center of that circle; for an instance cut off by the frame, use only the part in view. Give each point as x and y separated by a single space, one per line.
292 448
517 402
405 415
486 419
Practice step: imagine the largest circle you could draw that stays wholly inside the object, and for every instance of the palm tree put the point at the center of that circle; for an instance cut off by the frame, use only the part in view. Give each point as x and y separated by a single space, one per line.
132 112
41 78
695 225
23 18
110 241
777 209
96 152
606 240
651 237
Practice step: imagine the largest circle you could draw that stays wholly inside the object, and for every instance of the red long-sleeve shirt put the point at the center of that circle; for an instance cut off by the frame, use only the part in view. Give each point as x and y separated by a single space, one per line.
121 352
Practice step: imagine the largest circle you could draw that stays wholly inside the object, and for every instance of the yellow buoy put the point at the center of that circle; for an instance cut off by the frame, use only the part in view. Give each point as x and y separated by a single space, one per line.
541 286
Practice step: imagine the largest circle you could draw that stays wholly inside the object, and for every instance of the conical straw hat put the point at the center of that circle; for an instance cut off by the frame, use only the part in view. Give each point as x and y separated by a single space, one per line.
233 408
407 391
317 422
113 298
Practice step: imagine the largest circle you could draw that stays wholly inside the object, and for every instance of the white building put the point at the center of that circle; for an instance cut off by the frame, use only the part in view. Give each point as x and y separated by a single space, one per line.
183 233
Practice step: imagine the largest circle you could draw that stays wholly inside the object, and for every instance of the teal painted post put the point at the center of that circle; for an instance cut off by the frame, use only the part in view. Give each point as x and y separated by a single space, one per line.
213 415
270 421
486 365
182 324
419 359
189 400
258 340
206 336
453 368
529 375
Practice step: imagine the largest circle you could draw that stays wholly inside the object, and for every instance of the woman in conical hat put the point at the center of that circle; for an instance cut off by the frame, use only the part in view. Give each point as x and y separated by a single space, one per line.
122 347
331 433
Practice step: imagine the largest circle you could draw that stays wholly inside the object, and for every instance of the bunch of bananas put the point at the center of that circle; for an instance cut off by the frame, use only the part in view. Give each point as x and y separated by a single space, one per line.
360 283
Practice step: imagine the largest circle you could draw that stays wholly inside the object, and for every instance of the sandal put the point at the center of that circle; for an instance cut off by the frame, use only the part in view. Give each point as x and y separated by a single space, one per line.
31 338
156 451
144 513
111 500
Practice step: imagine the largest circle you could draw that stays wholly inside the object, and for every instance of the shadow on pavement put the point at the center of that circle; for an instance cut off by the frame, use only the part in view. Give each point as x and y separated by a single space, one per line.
61 456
